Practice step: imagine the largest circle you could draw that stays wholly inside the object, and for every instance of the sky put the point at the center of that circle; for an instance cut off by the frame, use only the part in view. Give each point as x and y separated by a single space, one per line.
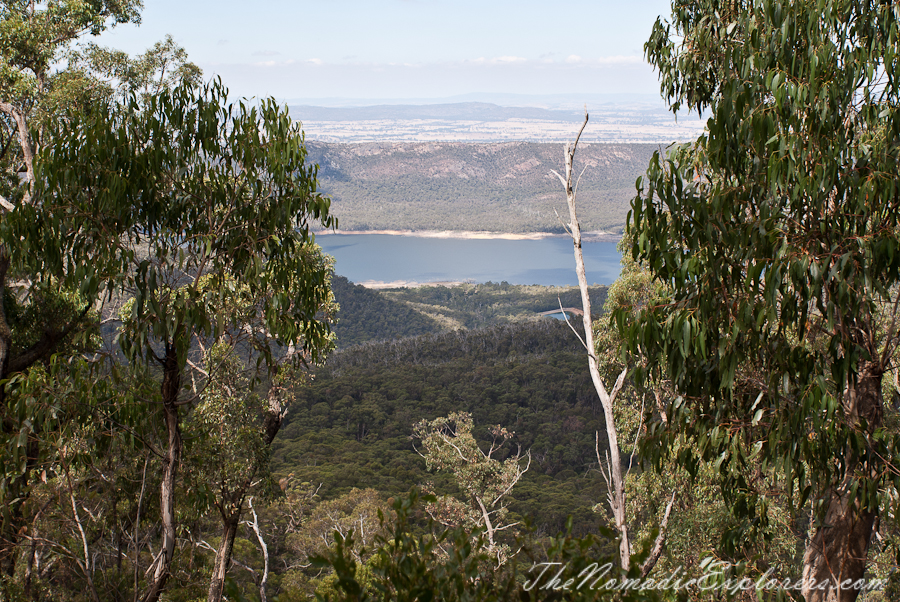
407 49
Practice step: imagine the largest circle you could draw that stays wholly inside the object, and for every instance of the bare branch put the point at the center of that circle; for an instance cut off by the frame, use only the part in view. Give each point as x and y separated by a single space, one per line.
656 552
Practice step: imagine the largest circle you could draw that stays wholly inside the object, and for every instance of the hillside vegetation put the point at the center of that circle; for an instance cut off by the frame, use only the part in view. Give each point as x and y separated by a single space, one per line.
351 427
505 187
367 315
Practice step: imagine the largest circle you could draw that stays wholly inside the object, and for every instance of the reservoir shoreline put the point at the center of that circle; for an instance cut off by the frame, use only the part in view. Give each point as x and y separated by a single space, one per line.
598 236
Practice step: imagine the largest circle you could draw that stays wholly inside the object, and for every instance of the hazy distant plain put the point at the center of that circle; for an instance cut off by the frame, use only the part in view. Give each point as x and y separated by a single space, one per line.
484 122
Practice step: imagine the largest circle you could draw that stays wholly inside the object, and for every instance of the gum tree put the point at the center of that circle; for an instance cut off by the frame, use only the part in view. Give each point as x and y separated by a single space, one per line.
199 211
777 235
485 480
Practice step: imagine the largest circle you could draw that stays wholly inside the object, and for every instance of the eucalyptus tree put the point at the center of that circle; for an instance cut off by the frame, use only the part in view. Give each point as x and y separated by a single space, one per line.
33 36
485 480
776 233
200 212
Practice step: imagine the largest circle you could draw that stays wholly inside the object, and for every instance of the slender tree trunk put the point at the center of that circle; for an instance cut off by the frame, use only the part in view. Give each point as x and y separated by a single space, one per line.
231 520
25 141
223 556
615 478
837 552
171 387
265 552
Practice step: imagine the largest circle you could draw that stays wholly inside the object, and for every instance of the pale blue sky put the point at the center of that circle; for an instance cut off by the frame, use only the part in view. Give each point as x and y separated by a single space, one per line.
407 48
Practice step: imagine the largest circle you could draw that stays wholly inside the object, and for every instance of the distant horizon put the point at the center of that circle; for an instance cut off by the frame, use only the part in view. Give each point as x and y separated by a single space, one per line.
571 101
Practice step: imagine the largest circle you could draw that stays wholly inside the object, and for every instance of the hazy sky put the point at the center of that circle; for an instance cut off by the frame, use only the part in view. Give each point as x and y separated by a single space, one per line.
407 48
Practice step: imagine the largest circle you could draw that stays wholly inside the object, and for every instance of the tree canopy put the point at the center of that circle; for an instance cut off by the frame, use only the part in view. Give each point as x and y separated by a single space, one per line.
776 233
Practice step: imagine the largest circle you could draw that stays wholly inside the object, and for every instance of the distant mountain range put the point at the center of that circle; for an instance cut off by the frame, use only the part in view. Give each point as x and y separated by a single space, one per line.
565 102
624 121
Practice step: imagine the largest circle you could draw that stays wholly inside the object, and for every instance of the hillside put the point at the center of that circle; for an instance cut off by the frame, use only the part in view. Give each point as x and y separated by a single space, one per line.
351 427
367 315
505 187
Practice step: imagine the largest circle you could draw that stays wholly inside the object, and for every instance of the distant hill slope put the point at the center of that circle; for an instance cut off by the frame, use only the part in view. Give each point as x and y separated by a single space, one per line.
503 187
367 315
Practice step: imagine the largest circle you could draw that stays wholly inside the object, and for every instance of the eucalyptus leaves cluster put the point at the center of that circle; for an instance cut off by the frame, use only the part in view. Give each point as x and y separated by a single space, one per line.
776 235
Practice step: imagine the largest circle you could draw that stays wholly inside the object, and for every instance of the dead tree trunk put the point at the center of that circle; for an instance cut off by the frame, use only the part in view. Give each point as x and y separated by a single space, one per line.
615 480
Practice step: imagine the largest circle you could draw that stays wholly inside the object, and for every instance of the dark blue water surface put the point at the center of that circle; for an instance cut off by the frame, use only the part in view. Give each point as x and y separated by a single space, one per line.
387 258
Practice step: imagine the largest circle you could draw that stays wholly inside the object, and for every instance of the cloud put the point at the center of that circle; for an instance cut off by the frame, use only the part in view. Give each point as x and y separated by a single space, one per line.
222 43
266 53
573 58
360 79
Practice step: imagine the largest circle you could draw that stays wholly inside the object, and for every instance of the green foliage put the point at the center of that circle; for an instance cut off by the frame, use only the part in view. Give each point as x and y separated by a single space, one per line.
413 567
164 66
776 235
351 426
225 432
485 478
223 191
355 512
34 36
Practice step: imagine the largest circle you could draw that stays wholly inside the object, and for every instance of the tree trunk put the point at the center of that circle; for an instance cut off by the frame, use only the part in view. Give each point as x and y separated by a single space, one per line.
615 480
837 552
223 557
835 557
171 386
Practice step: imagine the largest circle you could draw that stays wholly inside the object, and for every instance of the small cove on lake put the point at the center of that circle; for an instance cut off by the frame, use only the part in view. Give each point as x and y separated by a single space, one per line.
383 258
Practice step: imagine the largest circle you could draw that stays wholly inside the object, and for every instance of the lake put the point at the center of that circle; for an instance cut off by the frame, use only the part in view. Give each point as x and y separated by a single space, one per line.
368 258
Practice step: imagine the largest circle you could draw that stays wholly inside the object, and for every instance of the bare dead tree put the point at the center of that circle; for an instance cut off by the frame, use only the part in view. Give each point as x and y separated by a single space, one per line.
612 473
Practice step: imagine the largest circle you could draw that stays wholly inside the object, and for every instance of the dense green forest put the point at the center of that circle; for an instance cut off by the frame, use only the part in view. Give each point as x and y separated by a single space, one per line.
351 427
368 315
504 187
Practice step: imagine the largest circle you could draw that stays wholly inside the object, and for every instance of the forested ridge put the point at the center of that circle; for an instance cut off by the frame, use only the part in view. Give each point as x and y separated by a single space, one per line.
368 315
351 427
504 187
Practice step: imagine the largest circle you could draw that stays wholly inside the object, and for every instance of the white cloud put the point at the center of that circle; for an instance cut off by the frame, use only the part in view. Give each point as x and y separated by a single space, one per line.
266 53
508 59
573 58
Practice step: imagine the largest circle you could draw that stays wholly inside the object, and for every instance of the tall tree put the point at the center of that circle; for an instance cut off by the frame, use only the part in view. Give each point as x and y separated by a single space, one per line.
200 211
37 318
777 233
611 469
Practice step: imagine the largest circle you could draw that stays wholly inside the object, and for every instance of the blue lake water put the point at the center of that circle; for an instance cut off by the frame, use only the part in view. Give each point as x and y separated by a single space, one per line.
387 258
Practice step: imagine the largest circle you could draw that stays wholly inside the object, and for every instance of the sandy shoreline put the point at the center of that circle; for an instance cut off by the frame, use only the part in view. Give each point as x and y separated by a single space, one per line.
599 236
379 284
